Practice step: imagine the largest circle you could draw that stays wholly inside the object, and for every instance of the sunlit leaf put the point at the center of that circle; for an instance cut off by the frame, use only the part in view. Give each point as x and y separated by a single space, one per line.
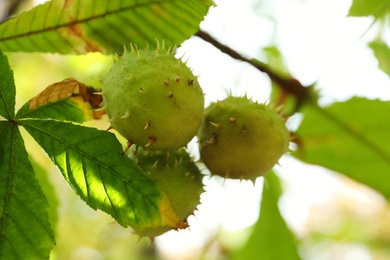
91 161
25 231
82 26
382 53
352 138
271 237
66 100
7 89
376 8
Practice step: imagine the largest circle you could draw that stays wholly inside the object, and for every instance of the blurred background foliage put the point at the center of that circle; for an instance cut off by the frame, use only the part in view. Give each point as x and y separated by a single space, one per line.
347 221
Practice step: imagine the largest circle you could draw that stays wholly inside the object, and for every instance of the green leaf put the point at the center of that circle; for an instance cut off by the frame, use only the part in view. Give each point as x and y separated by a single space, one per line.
7 89
376 8
352 138
25 231
271 237
382 53
67 110
48 189
274 59
91 161
82 26
279 97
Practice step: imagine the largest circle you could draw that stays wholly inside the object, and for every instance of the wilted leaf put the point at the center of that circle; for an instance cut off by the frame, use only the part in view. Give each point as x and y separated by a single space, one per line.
25 231
7 89
66 100
77 26
91 161
271 238
352 138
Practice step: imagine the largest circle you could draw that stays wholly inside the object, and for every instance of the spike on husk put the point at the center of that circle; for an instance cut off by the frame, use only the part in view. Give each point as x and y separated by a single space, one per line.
143 75
178 177
241 139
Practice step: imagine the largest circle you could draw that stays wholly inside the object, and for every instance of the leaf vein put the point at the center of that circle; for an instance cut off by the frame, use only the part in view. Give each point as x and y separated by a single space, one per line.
22 231
89 157
9 183
80 21
24 204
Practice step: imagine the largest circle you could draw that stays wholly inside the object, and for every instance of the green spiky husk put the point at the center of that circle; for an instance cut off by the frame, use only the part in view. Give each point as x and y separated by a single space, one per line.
153 99
176 174
241 139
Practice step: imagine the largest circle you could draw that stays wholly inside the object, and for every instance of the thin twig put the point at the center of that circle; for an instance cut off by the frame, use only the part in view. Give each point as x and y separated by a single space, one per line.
289 85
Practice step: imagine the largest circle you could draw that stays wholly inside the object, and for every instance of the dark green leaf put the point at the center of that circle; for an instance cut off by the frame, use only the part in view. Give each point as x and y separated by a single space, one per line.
25 231
91 161
271 238
82 26
376 8
351 137
382 53
43 177
7 89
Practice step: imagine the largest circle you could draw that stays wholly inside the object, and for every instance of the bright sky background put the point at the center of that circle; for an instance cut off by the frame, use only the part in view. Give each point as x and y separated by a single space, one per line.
319 44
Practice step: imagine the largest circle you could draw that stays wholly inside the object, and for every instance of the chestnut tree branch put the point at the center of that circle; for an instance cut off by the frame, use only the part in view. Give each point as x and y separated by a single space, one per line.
290 85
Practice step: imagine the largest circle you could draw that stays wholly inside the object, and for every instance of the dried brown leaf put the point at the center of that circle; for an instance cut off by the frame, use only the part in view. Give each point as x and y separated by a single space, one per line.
69 89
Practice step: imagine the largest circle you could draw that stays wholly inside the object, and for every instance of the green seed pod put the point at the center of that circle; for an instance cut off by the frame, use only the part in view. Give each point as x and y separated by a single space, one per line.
153 99
241 139
176 174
